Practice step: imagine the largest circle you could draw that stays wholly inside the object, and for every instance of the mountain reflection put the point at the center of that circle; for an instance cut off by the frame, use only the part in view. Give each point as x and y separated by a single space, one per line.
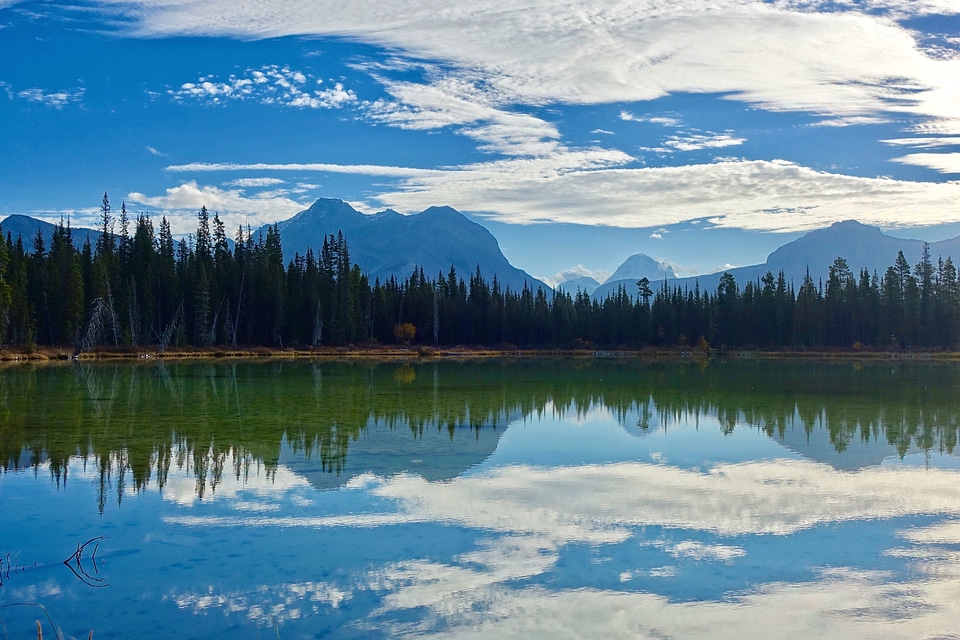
135 423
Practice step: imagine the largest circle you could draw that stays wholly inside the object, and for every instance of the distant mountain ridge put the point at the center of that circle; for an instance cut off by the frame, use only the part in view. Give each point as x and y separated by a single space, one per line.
574 285
388 243
26 228
862 246
383 244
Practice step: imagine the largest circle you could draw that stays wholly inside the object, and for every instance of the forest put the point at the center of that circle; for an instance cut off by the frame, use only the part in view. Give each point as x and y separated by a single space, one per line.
141 288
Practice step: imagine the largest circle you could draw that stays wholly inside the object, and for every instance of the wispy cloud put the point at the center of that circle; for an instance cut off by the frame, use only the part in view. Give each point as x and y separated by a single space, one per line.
254 182
359 169
578 271
696 142
666 121
598 187
154 151
850 121
755 195
925 143
472 110
942 162
841 62
54 99
272 84
488 70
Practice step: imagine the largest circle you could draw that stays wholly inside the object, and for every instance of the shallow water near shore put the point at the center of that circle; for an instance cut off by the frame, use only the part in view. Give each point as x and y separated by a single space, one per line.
567 498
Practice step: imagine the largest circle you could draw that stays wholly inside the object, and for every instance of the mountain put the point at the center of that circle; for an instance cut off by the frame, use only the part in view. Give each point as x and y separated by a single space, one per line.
26 228
583 283
387 451
389 243
637 266
384 244
640 265
862 246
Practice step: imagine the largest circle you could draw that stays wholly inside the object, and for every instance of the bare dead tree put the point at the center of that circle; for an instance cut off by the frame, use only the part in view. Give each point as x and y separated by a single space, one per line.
171 329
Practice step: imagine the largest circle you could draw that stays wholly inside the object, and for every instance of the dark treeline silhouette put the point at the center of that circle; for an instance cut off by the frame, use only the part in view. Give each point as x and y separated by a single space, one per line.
141 287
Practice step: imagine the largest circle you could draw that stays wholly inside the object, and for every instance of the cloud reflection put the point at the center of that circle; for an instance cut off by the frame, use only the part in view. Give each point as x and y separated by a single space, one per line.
268 604
529 514
596 503
840 604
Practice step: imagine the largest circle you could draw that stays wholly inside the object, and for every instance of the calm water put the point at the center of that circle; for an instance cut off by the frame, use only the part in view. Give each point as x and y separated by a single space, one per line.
529 499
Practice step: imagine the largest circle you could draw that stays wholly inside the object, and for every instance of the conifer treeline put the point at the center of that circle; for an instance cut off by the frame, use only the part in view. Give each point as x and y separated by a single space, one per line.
144 288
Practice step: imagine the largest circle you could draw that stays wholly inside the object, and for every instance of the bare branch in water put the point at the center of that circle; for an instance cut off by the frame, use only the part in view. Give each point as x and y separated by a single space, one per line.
75 564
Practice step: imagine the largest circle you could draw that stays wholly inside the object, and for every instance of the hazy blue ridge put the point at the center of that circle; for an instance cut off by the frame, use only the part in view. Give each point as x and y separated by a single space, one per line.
862 246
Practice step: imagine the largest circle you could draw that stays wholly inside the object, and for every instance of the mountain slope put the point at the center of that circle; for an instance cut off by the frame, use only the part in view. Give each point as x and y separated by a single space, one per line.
637 266
862 246
389 243
26 228
583 283
640 265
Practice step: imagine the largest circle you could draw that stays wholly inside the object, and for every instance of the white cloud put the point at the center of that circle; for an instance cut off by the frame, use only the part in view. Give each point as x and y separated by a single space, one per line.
850 121
942 162
699 551
87 217
474 111
358 169
595 187
588 188
578 271
154 151
56 100
180 205
666 121
696 142
845 62
940 127
925 143
485 65
272 84
332 98
254 182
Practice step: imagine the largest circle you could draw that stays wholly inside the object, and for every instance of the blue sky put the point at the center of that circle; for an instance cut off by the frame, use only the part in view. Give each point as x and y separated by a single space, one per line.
702 133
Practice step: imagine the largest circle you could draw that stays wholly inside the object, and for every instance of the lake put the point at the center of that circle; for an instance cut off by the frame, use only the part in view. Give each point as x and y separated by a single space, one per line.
495 499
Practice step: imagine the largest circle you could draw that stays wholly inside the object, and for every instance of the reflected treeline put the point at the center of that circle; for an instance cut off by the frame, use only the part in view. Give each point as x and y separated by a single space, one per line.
134 423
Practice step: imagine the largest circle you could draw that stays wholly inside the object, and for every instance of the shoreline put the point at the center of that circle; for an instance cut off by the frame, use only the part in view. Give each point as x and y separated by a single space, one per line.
51 355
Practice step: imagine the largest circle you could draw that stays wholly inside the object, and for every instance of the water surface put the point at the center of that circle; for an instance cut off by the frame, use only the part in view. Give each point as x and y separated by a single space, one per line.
534 498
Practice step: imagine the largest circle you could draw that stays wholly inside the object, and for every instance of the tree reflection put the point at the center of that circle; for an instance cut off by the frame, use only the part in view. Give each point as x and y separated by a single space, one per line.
137 422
